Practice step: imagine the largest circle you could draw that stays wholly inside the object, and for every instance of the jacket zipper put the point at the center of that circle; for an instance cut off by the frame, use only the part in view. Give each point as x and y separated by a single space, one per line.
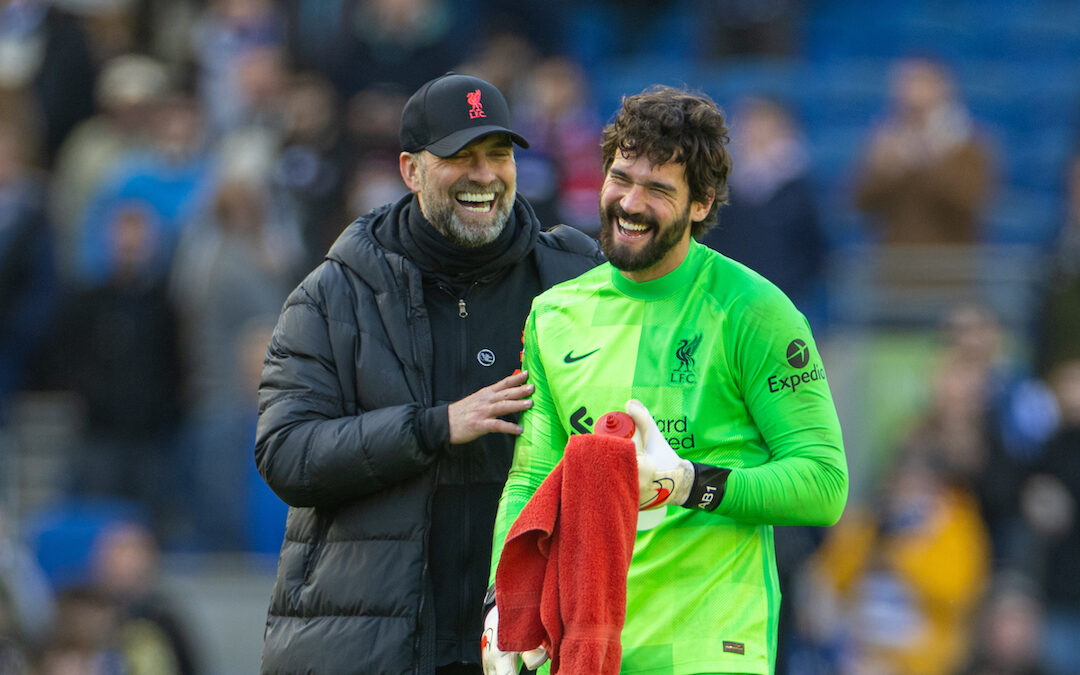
463 313
462 308
467 514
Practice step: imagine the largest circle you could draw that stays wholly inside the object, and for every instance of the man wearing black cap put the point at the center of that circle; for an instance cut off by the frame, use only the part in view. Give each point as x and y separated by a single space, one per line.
388 403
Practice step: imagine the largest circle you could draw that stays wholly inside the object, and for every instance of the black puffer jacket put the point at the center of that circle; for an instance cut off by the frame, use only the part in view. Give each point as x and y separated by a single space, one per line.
350 436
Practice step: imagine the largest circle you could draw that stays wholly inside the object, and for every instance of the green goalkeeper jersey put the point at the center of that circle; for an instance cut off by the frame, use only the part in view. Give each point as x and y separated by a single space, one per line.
729 370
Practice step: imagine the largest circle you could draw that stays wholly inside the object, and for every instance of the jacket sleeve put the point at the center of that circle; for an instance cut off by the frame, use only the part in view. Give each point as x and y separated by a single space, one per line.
308 447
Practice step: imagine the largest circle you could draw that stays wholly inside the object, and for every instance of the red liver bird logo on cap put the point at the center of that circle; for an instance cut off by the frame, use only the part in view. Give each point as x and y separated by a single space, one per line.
476 108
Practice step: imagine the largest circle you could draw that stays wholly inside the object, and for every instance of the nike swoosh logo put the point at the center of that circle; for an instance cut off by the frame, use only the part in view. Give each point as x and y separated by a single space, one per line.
570 358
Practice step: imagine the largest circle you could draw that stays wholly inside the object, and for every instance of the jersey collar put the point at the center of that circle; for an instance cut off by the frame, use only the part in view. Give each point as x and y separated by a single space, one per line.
679 278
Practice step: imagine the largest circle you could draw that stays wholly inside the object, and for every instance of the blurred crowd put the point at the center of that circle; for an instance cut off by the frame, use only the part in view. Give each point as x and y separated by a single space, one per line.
170 169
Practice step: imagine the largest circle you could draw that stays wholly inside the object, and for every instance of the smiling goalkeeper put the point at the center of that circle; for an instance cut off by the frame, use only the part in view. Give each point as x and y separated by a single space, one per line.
737 430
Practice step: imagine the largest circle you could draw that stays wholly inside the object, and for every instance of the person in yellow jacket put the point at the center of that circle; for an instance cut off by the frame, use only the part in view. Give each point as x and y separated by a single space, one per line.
907 577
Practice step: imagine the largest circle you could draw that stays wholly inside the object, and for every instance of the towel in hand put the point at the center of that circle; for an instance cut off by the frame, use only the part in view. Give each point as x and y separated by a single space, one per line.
561 579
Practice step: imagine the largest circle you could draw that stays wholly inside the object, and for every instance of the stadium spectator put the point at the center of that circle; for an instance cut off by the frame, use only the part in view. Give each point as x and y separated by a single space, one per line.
1058 317
904 575
1009 629
174 177
28 274
231 267
926 177
382 396
1050 500
115 346
248 151
251 141
163 30
772 223
504 58
561 174
400 42
311 170
224 37
48 65
151 633
374 181
372 117
126 91
986 421
84 639
112 616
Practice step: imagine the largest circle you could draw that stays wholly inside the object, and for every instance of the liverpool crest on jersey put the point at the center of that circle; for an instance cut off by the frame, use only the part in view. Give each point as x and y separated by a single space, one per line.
684 372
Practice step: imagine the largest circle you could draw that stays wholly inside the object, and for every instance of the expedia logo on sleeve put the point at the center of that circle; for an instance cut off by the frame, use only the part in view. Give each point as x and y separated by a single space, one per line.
798 356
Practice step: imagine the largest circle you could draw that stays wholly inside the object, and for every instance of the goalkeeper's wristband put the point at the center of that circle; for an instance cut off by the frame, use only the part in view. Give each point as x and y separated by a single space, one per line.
708 488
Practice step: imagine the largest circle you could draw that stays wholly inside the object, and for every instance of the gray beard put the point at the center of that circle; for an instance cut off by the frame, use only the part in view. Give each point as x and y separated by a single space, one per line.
449 225
443 218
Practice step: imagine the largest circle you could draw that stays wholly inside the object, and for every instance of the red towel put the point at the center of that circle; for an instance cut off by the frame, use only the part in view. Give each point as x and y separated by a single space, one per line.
561 579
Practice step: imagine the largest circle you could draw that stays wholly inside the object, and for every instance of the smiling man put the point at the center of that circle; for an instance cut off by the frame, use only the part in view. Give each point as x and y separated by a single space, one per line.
467 212
687 341
388 400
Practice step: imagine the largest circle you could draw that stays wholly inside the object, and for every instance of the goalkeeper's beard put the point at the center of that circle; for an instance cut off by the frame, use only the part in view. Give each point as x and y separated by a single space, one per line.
662 239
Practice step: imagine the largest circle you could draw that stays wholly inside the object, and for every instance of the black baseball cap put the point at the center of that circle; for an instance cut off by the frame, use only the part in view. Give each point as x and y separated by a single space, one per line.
451 111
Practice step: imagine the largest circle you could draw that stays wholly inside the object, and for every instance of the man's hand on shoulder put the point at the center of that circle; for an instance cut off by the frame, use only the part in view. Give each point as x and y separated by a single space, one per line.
478 413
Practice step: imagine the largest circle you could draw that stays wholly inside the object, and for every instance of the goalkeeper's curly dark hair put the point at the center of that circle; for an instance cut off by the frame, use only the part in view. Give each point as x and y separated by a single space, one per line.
667 124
